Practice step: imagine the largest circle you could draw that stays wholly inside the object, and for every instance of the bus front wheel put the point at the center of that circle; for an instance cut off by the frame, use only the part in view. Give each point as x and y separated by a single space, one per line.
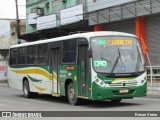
71 94
26 89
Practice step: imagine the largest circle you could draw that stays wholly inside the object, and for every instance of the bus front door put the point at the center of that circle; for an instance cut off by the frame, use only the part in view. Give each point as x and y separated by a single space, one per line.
54 64
82 72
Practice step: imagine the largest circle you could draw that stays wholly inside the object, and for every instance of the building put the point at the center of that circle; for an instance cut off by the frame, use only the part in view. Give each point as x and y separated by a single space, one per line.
8 37
52 18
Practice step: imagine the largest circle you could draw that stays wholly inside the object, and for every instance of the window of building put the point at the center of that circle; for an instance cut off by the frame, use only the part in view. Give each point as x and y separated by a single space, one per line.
42 57
69 51
13 56
22 55
31 54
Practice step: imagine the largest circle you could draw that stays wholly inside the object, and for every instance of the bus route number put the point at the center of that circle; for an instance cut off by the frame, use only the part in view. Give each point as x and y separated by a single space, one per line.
100 63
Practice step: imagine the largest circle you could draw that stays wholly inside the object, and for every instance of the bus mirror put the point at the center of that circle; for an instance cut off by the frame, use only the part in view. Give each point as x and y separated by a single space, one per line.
89 53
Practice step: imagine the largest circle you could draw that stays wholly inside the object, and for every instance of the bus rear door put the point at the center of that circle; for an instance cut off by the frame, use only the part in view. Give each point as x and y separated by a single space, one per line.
55 58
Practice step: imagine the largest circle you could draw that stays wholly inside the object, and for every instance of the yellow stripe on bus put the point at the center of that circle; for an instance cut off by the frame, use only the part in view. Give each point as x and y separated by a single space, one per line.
36 71
39 88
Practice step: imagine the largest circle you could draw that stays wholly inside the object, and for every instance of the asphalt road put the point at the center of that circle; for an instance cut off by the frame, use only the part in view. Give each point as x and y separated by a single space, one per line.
13 100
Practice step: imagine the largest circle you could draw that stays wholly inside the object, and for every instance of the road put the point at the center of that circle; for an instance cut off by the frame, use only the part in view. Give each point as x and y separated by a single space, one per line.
13 100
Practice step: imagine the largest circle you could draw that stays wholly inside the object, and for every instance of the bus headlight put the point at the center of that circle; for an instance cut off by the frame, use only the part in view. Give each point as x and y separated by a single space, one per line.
145 78
97 80
101 83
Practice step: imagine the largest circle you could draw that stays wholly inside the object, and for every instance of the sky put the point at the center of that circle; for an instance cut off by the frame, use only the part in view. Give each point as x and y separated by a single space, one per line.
8 9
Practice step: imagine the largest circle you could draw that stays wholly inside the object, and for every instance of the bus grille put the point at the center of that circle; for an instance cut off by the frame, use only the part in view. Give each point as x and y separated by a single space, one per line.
123 84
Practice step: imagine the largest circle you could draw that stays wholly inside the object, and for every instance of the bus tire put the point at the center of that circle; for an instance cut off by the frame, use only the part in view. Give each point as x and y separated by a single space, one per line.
71 94
26 89
116 101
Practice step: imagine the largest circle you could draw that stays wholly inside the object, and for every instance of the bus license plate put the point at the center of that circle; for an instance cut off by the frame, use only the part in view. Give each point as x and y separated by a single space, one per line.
123 91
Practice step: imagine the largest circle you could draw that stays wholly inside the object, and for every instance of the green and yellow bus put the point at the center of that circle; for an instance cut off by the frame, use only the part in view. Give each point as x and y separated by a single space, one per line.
95 65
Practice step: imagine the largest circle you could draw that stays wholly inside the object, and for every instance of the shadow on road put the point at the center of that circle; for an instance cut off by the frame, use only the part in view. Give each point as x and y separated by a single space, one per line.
85 103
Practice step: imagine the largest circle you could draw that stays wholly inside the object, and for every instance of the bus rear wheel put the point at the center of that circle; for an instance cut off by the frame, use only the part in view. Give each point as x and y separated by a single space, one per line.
26 89
71 94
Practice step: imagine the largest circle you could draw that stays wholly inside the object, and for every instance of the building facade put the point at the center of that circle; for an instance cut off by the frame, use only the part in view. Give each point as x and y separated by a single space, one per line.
52 18
8 37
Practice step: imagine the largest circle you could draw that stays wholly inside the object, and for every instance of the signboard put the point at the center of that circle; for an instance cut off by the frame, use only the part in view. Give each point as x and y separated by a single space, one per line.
45 22
115 42
93 5
32 18
72 14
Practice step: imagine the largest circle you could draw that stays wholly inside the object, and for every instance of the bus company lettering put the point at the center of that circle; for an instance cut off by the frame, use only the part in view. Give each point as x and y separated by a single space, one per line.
63 71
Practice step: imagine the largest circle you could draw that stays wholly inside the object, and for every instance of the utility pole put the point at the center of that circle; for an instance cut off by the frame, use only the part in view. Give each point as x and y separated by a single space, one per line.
17 25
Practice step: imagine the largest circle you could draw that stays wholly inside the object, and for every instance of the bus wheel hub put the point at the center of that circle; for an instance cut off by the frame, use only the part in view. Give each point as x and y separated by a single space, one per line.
72 93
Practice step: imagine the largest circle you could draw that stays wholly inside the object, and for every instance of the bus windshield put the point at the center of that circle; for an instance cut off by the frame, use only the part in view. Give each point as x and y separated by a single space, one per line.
117 55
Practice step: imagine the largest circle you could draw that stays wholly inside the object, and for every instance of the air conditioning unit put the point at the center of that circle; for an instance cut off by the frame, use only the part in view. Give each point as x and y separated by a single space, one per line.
38 11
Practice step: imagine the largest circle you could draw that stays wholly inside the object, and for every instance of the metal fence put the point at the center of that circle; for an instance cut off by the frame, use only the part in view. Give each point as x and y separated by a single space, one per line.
153 72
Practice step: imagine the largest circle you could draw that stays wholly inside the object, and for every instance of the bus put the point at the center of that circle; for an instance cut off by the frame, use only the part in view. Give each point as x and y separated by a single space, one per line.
95 65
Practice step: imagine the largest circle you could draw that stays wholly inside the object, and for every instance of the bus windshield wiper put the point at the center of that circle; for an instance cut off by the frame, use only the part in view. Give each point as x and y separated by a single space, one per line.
115 64
104 58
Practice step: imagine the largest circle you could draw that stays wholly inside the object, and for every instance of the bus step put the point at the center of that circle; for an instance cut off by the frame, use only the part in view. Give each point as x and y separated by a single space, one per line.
55 94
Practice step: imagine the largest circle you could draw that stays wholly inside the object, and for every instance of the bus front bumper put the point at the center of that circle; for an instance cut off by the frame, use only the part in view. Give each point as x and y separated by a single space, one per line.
100 93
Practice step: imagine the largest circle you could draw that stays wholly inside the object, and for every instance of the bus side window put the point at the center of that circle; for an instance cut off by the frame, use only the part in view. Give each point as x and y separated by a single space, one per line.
13 56
22 56
42 58
69 51
31 52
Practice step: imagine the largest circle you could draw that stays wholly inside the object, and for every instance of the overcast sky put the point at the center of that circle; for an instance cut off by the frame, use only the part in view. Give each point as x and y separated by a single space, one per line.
8 9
